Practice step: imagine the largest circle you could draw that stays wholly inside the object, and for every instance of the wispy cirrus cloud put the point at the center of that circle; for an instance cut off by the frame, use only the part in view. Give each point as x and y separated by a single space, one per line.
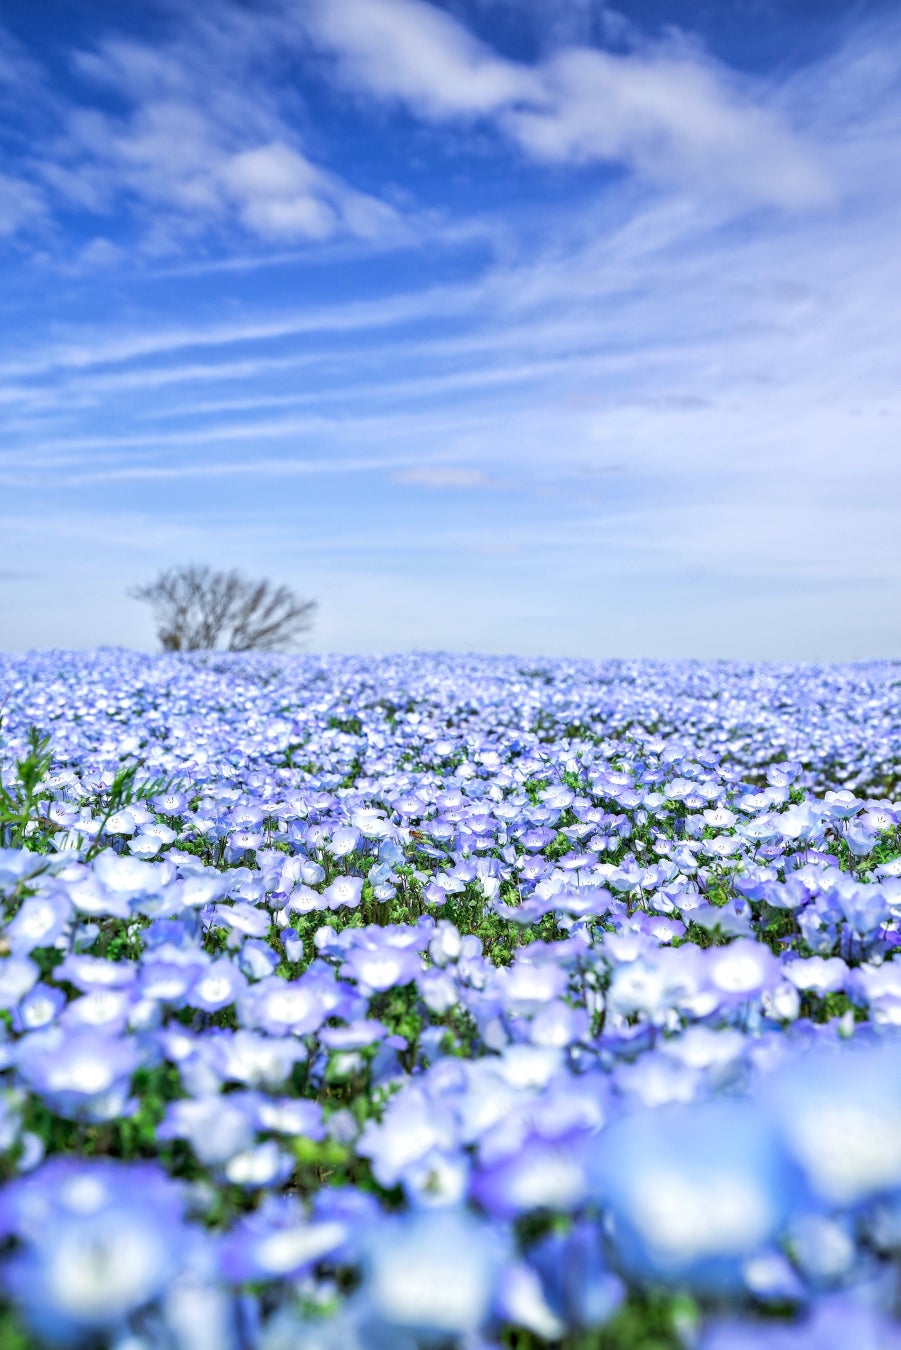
440 476
22 206
202 134
190 137
668 112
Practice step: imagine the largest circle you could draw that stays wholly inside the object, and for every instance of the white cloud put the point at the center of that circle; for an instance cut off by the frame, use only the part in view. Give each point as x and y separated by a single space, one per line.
445 476
202 144
670 114
87 347
22 206
407 50
673 119
204 141
282 195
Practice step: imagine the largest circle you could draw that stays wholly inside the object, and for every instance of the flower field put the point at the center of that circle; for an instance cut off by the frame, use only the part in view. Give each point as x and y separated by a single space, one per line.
429 1001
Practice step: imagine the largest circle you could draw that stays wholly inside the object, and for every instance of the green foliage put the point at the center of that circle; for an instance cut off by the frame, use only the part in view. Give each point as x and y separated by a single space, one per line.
126 790
12 1334
654 1321
18 802
23 826
351 726
125 1137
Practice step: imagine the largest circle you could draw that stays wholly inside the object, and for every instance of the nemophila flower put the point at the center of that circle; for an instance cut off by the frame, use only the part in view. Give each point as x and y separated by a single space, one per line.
343 893
89 896
835 1323
220 984
194 890
168 981
588 900
525 987
18 974
303 900
879 818
281 1006
372 823
790 894
879 989
520 1299
357 1035
664 930
265 1165
692 1192
864 908
823 1249
146 845
715 1052
378 967
244 918
290 1116
217 1127
97 1241
654 1080
245 817
95 972
411 1127
543 1174
839 1111
432 1273
356 1210
438 989
439 1178
171 803
817 975
801 822
741 970
78 1074
38 1008
131 877
760 830
17 864
252 1059
343 840
579 1287
256 960
446 945
105 1010
656 986
239 841
843 804
40 920
819 933
859 839
278 1242
120 823
529 1066
781 1003
293 945
558 1024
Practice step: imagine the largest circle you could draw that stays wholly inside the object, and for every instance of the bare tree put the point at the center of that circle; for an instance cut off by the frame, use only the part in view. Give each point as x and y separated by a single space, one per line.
198 609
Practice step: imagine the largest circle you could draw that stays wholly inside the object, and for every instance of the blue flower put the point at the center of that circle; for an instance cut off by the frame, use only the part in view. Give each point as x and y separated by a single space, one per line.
97 1241
692 1192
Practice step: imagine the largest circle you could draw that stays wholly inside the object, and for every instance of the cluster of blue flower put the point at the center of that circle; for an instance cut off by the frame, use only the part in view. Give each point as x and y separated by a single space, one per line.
443 1002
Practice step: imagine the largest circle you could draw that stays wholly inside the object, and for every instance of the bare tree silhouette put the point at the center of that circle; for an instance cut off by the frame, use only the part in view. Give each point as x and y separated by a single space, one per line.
199 609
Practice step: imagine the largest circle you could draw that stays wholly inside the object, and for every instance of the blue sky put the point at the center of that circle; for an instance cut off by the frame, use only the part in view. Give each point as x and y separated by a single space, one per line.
502 325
